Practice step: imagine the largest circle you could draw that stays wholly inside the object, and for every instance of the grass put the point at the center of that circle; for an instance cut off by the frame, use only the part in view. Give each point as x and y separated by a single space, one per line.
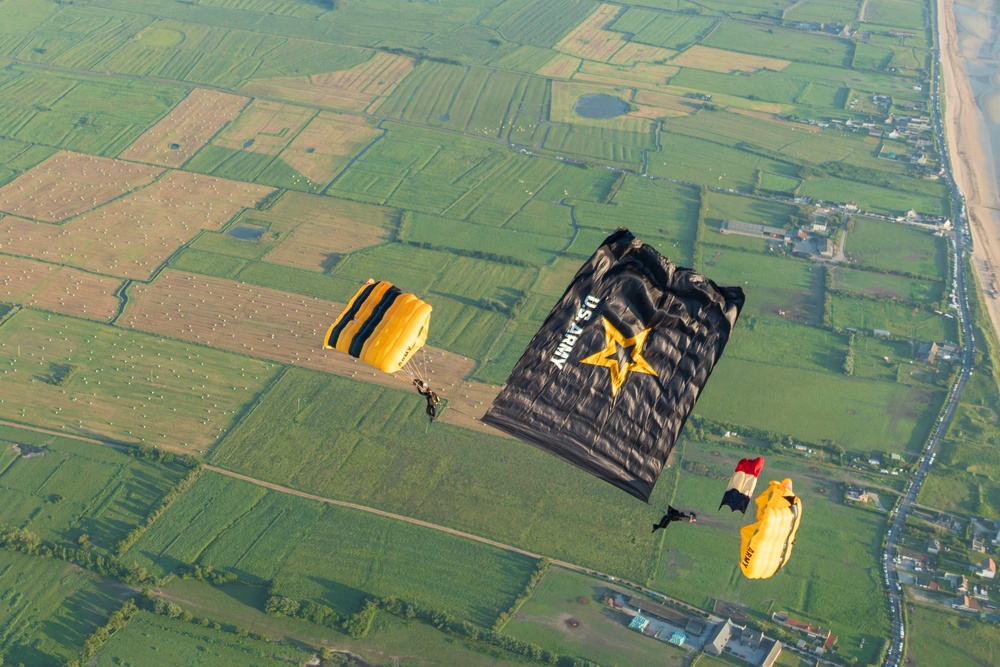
857 413
125 385
881 285
943 638
78 488
49 608
415 642
330 554
157 641
894 247
342 441
602 635
837 588
904 322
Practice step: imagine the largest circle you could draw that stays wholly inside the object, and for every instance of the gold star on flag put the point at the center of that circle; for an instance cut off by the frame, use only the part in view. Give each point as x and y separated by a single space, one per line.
608 357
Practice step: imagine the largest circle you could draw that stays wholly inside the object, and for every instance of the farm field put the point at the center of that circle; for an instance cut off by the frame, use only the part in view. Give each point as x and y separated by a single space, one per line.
85 377
128 238
68 184
50 608
565 615
78 488
59 289
937 635
188 127
157 641
897 248
342 443
841 586
329 554
190 192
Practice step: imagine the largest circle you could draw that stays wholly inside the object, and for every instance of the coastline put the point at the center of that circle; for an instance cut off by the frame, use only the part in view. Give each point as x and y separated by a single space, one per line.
968 144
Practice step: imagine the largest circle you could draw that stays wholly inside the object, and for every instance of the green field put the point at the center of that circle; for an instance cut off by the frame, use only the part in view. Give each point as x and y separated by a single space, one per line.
601 634
151 640
856 413
892 247
119 383
839 588
938 636
78 488
49 608
330 554
887 286
342 442
488 191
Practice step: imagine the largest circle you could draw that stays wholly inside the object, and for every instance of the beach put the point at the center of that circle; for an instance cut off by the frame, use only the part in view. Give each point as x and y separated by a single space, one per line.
971 81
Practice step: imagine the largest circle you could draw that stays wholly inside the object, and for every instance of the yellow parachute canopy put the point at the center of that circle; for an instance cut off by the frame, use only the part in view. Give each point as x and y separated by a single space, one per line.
767 544
382 326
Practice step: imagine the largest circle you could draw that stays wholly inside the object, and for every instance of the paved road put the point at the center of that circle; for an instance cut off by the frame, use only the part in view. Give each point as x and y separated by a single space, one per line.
960 305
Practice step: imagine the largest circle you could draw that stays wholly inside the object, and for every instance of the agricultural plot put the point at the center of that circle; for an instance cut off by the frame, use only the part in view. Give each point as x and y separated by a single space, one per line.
791 45
325 229
899 14
662 105
565 615
479 101
844 11
49 609
84 114
188 127
656 211
766 85
132 236
642 75
56 288
264 127
900 320
720 60
343 442
789 344
157 641
361 87
68 184
325 553
671 31
897 248
589 40
857 413
777 288
839 585
543 23
940 636
531 247
887 286
560 66
564 99
79 488
878 200
73 374
277 326
706 162
326 145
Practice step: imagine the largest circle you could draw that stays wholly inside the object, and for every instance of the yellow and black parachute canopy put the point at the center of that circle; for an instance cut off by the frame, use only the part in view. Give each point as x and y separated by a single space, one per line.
382 326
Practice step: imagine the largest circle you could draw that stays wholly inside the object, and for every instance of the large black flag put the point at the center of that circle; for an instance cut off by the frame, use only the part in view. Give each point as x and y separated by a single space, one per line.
609 380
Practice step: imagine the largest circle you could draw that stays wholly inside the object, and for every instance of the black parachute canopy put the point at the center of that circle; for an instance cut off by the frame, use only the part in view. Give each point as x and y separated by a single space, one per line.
609 380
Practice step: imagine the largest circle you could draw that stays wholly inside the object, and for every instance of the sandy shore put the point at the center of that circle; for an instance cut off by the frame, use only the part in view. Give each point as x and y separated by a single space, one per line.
969 147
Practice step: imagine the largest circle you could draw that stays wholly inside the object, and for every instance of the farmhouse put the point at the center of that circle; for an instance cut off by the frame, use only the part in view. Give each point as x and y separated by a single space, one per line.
856 495
986 569
751 229
741 642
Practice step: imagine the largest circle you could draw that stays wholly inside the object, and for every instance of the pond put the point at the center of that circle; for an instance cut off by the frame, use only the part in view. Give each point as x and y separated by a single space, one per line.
247 233
599 105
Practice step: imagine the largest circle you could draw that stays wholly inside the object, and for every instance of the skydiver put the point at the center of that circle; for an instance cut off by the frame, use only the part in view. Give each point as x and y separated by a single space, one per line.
432 398
674 515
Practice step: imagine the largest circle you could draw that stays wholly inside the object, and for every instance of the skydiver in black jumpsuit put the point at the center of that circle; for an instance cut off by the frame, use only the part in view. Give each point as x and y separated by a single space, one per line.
673 515
428 393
